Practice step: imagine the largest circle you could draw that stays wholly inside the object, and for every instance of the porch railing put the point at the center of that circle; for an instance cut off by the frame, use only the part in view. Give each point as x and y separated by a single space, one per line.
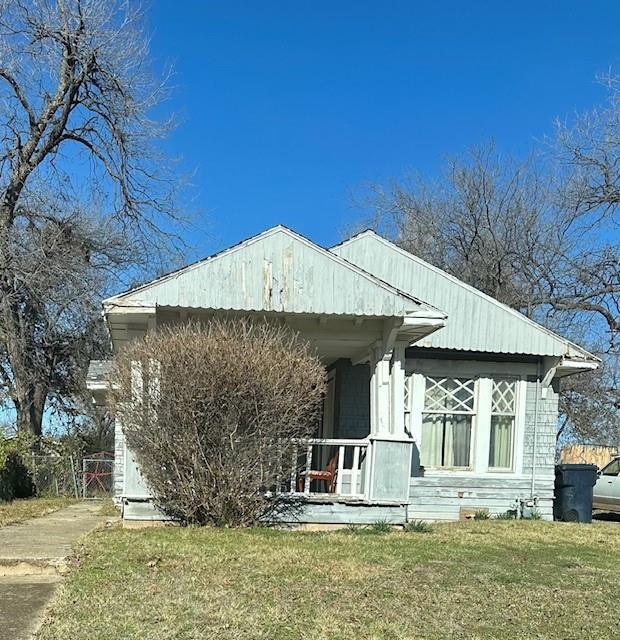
321 466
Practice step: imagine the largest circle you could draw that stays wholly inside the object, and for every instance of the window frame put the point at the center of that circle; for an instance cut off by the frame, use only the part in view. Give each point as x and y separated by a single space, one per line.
416 371
513 415
455 412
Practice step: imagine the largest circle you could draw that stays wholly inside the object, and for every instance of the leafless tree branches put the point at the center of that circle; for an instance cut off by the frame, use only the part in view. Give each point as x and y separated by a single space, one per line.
85 193
540 236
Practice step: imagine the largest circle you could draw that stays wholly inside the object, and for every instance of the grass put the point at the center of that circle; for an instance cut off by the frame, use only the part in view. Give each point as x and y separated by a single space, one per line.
108 508
20 510
418 526
477 579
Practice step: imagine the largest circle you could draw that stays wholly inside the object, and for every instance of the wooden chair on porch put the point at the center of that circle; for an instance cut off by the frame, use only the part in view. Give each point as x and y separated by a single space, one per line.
327 475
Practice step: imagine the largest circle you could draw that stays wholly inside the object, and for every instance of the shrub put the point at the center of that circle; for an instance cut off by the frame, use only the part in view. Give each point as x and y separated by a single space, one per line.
214 424
417 526
15 476
481 515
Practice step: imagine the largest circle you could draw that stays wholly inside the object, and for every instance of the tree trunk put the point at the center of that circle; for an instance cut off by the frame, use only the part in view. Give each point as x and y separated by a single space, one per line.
29 408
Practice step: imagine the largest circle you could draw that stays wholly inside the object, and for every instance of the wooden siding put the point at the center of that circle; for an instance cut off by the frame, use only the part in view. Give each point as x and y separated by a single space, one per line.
588 454
441 496
436 497
277 271
347 513
476 322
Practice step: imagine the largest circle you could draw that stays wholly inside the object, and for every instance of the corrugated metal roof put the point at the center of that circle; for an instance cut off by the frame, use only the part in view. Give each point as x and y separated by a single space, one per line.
476 321
279 271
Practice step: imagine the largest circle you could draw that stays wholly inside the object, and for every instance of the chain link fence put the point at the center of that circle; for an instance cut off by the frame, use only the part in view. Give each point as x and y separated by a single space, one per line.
97 476
68 475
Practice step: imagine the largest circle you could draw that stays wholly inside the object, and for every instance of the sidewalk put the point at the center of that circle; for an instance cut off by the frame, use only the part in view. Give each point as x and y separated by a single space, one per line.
33 557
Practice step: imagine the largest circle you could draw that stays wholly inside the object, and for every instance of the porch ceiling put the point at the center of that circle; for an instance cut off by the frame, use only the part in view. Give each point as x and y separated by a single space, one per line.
333 337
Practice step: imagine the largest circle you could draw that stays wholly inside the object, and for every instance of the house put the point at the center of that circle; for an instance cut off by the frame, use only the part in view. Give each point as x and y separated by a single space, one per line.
441 401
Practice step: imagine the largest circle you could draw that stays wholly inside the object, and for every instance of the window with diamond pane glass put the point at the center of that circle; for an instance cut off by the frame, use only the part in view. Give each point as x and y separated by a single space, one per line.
503 410
449 407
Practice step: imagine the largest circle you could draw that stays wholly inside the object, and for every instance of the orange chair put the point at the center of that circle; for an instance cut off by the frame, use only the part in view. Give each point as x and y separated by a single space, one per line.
326 475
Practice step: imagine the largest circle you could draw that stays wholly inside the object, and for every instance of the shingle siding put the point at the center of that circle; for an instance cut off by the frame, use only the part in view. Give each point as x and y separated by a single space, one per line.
541 431
352 407
119 459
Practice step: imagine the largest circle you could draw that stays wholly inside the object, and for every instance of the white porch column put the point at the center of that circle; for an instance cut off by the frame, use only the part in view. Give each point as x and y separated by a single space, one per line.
397 390
380 393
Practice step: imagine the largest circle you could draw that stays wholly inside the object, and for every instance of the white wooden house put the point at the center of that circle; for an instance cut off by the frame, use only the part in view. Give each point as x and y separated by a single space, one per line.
441 401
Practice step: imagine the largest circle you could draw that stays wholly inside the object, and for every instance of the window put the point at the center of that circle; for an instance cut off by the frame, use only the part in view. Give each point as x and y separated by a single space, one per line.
503 410
449 410
612 469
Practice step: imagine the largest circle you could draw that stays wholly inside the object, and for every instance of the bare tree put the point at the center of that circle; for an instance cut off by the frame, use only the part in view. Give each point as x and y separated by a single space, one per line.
212 411
76 136
482 221
586 152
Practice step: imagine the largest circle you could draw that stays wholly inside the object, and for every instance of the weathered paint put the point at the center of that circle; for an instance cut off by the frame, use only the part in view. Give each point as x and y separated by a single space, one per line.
442 496
390 466
476 322
283 274
347 513
277 271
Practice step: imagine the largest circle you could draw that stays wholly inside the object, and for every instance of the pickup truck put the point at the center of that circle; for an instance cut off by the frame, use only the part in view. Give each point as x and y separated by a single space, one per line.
607 487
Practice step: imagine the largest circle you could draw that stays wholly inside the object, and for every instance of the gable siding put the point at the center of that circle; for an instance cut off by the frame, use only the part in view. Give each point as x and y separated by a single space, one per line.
475 322
277 272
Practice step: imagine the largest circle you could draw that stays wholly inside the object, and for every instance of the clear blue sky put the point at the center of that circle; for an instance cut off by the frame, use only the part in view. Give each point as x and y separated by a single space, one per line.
289 106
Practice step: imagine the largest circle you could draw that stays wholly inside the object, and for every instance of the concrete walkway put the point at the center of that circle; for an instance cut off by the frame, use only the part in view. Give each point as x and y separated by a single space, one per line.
33 557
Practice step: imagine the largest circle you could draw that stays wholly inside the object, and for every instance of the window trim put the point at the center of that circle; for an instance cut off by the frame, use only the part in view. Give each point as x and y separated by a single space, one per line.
513 415
473 414
416 371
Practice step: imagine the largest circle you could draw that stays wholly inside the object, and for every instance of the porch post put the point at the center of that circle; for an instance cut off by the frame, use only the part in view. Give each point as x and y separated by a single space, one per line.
397 390
379 392
390 447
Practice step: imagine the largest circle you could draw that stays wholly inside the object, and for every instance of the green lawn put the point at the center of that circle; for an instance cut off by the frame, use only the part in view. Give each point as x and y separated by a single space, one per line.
20 510
485 579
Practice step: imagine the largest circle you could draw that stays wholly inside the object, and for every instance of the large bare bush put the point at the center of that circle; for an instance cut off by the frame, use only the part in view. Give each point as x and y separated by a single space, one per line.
210 412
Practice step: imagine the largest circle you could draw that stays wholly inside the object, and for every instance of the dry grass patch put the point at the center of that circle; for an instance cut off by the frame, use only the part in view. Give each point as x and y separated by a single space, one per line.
482 579
20 510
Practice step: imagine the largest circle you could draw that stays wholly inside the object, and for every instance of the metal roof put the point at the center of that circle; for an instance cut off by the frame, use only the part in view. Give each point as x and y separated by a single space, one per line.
277 271
476 321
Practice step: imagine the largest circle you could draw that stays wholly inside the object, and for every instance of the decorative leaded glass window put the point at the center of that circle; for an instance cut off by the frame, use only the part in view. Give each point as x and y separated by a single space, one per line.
449 410
503 411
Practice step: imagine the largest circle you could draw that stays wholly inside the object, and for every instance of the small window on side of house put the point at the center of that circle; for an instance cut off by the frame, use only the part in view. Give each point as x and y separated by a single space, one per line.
503 419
